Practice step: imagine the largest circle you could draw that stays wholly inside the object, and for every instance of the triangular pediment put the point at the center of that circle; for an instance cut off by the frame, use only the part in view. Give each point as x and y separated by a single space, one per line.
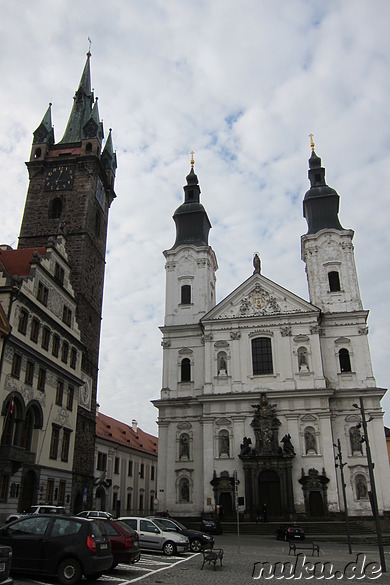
258 296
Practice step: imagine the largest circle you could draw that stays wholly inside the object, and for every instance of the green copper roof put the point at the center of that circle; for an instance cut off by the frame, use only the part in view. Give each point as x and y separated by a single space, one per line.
44 134
84 118
108 154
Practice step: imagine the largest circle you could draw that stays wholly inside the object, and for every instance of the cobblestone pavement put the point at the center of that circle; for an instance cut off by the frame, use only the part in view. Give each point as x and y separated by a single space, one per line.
240 554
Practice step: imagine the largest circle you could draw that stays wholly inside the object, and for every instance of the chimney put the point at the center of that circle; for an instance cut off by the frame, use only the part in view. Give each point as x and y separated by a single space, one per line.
134 425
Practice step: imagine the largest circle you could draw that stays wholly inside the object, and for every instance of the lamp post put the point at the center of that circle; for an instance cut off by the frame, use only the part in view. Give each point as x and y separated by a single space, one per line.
372 493
340 464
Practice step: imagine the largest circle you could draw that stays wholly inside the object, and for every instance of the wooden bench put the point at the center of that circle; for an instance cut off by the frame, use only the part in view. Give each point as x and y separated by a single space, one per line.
304 545
211 555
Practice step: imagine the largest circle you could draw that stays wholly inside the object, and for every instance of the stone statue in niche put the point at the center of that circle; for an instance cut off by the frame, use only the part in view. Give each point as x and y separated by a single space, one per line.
355 439
310 442
222 369
184 446
287 445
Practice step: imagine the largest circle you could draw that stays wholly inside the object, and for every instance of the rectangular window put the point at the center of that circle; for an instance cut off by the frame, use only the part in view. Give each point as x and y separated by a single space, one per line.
59 273
60 392
142 471
34 330
114 500
186 294
55 438
23 320
49 491
65 445
45 338
262 356
69 399
29 372
128 501
73 358
141 502
67 316
55 348
41 379
16 365
43 293
61 493
4 483
101 462
65 352
117 465
130 468
152 473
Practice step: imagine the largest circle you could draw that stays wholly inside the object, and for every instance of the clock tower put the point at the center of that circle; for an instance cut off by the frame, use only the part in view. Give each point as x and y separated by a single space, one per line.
71 188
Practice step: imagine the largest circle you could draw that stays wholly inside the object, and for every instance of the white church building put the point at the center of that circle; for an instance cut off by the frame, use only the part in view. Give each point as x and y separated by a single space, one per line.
258 389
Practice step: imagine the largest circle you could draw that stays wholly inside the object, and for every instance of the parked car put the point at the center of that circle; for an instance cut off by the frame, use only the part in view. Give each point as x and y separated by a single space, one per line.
94 514
152 536
198 540
65 547
36 510
5 565
211 526
290 533
124 541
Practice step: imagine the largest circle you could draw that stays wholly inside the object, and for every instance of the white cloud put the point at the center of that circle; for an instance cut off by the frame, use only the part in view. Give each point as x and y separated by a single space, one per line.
242 84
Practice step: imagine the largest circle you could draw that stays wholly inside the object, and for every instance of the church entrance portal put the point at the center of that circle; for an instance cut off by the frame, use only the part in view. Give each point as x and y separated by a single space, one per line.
316 506
269 493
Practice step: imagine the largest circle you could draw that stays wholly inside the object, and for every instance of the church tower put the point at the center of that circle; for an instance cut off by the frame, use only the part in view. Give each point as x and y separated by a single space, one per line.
327 247
71 188
190 266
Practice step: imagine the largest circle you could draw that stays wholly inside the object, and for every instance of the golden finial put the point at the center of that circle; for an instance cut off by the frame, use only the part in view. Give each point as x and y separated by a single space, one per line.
192 159
311 142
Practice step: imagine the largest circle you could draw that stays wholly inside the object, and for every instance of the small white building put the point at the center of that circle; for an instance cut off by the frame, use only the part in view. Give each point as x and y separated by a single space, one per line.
125 468
257 389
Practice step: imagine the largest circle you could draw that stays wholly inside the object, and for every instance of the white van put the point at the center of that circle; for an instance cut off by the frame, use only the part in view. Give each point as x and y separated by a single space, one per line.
152 537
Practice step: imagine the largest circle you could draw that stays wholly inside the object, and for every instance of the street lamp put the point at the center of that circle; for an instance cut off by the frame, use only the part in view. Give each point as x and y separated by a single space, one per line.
372 493
340 464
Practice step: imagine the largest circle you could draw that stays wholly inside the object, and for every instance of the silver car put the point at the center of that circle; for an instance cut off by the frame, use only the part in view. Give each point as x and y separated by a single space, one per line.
153 537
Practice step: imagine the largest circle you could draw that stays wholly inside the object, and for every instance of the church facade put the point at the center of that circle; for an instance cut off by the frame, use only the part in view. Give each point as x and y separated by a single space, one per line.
259 388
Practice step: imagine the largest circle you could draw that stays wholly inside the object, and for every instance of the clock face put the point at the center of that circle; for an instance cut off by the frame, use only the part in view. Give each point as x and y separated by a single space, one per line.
60 178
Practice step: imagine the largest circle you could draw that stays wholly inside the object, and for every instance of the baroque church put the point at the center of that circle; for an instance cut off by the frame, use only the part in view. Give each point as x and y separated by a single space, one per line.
258 388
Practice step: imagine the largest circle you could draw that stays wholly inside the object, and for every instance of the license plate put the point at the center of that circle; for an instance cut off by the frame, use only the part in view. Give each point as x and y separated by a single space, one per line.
103 546
2 567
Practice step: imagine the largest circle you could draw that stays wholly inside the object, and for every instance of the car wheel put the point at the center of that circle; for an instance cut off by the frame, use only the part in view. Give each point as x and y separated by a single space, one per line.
69 572
195 545
169 548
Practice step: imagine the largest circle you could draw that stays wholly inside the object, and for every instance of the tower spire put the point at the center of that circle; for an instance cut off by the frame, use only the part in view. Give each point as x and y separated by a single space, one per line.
83 121
192 222
321 202
44 134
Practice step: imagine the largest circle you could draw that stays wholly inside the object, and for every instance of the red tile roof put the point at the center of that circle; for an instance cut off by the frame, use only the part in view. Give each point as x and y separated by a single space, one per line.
122 433
18 262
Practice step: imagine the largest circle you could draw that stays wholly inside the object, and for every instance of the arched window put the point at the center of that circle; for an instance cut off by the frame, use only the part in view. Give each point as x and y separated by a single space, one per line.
184 446
184 490
334 281
345 361
55 208
27 431
223 443
185 370
262 356
186 294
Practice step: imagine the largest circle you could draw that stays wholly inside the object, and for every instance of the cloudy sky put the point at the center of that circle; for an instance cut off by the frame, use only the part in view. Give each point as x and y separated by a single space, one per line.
242 84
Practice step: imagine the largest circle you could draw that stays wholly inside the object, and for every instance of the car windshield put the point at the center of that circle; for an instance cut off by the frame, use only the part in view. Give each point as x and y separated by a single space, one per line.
179 524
